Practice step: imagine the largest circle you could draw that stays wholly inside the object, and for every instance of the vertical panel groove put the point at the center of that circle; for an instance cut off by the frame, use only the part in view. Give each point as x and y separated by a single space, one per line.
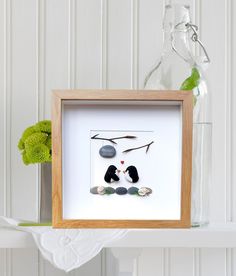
7 119
197 262
103 262
39 82
5 262
228 91
197 18
40 78
229 262
197 6
41 45
9 262
166 262
134 44
228 108
104 48
72 45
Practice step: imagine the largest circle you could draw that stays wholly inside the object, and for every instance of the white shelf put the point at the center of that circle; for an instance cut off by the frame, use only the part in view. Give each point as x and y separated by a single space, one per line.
15 239
213 236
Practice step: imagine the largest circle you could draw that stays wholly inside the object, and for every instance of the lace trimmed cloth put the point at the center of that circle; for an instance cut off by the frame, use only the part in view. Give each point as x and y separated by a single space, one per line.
67 249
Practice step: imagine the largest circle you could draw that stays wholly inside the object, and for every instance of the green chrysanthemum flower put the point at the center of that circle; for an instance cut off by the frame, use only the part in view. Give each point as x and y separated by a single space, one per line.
49 142
35 139
50 158
25 158
30 130
38 154
21 145
43 126
35 143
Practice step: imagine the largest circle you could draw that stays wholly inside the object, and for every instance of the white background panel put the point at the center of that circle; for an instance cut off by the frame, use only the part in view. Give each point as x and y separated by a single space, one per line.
150 262
181 262
22 90
88 36
55 49
119 43
219 101
212 258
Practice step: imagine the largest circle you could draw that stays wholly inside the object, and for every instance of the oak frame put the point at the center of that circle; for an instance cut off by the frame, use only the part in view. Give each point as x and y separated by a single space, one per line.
186 99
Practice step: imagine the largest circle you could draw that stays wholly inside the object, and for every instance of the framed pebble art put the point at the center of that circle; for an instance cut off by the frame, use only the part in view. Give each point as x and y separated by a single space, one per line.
121 158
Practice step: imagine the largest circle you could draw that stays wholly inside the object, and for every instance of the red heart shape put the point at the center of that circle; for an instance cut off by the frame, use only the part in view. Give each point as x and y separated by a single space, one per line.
122 162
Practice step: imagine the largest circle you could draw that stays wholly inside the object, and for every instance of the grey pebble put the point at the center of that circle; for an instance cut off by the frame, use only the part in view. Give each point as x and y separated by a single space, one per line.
94 190
107 151
121 190
133 190
109 190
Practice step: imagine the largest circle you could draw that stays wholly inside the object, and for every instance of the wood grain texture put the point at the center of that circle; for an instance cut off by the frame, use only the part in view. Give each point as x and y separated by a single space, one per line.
182 97
57 160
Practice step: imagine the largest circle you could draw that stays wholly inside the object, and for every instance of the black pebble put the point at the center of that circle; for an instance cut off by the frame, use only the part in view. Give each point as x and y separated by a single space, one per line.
121 190
133 190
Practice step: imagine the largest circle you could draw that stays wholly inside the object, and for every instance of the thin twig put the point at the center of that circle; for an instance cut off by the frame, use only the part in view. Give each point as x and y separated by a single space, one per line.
147 145
112 139
100 138
124 137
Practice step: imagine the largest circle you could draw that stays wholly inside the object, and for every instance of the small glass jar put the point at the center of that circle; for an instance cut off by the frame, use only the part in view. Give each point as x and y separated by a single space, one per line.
179 69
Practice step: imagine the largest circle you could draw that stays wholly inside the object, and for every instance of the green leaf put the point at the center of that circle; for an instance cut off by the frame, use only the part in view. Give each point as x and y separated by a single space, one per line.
195 73
191 82
25 224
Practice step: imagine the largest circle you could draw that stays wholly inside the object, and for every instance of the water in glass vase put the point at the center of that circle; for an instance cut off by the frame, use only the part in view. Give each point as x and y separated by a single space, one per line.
179 69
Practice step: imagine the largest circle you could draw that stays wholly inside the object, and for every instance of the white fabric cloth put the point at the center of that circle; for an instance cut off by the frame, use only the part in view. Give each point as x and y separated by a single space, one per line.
67 249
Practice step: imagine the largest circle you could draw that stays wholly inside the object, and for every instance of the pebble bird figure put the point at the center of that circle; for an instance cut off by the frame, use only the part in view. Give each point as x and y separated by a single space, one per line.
131 174
112 174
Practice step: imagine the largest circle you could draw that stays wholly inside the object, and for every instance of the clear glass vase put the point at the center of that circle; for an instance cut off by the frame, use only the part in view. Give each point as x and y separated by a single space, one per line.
201 173
179 68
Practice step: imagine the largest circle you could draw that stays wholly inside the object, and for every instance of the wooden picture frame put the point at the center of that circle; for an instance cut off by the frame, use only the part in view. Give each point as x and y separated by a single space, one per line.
182 99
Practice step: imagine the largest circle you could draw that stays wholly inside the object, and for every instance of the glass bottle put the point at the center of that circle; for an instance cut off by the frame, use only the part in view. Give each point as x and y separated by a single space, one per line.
178 68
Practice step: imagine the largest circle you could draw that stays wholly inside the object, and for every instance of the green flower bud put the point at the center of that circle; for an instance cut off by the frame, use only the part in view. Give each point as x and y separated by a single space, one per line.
43 126
49 142
38 154
21 145
35 139
30 130
25 158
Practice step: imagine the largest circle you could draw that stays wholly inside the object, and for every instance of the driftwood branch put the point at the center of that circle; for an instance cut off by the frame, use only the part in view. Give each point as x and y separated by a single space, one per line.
147 146
112 139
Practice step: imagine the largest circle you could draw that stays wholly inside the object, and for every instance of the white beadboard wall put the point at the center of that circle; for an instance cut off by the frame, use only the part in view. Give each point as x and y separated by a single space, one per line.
48 44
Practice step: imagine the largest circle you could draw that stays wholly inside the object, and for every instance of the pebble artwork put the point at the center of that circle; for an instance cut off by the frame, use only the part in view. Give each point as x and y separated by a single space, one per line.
102 190
113 174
